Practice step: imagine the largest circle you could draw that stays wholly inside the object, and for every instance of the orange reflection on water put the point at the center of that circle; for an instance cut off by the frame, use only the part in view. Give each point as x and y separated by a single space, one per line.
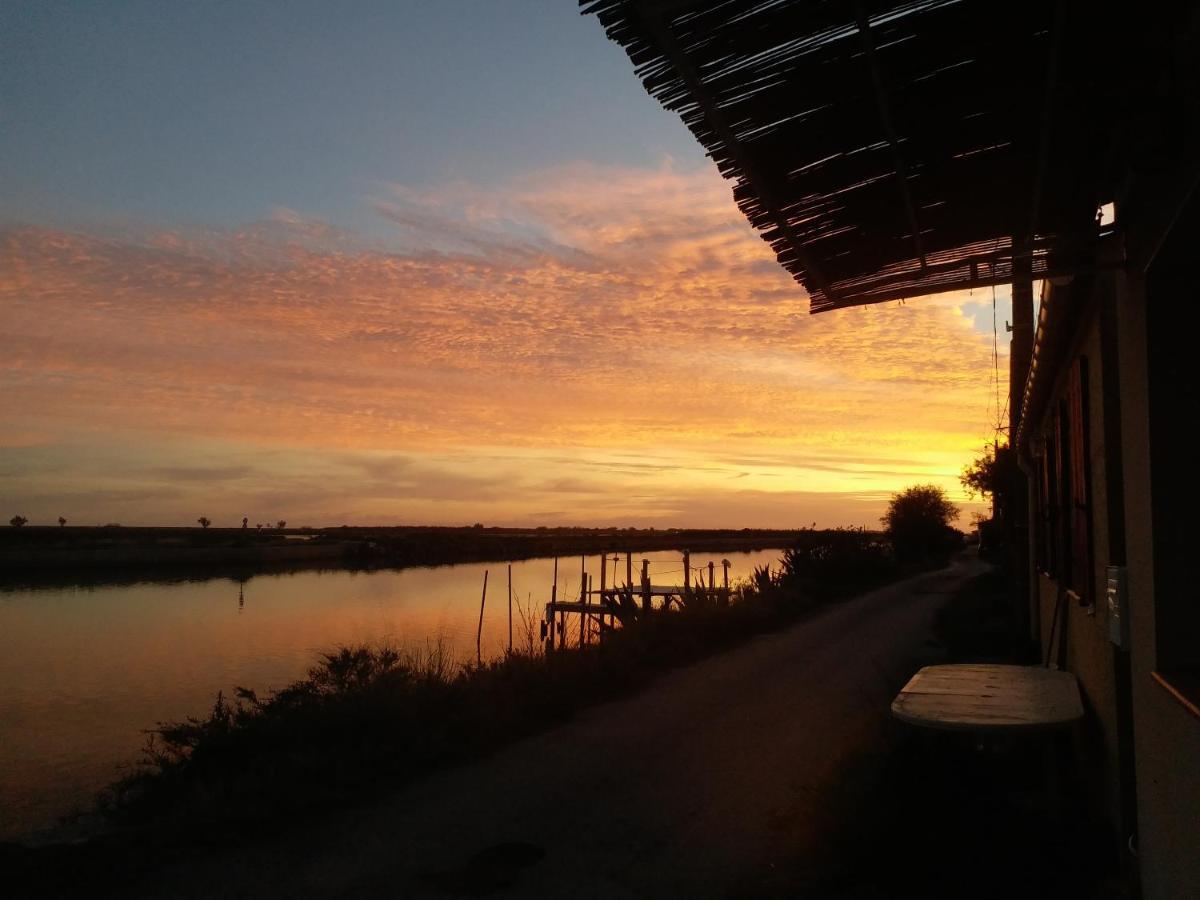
87 670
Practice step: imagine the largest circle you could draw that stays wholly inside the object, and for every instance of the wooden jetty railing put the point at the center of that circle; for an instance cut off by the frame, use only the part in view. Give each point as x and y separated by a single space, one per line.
614 605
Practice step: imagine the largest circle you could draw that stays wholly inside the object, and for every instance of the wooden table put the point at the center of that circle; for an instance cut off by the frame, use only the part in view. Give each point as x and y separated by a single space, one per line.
989 698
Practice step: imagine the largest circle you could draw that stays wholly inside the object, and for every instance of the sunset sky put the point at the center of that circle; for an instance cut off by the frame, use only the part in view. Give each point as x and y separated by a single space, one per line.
422 263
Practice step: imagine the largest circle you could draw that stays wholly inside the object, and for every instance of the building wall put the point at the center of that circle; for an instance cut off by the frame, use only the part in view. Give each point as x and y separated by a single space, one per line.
1081 645
1139 747
1166 735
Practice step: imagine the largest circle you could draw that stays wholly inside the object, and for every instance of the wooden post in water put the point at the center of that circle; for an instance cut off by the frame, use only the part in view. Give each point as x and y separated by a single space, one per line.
582 591
600 632
583 596
629 571
479 634
583 620
603 586
553 600
712 582
687 573
510 608
646 586
725 567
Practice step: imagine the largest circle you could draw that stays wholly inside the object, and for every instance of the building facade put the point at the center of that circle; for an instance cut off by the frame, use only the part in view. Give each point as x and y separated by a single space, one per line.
1106 440
901 149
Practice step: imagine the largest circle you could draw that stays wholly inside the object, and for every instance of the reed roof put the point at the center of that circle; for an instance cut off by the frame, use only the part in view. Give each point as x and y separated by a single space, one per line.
900 148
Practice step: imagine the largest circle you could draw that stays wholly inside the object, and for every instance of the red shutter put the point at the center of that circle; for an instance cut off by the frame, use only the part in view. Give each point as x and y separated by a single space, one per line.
1062 496
1081 494
1039 515
1050 504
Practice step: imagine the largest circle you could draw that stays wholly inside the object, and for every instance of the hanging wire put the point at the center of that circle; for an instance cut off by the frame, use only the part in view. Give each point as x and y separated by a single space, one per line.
995 425
996 357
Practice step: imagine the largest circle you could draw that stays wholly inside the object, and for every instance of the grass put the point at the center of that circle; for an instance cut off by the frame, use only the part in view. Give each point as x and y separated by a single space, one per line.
368 716
366 719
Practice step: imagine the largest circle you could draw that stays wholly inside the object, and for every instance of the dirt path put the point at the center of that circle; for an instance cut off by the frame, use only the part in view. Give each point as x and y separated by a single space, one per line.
704 785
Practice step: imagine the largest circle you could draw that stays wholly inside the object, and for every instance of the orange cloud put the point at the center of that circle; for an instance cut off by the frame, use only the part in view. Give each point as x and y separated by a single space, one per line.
537 335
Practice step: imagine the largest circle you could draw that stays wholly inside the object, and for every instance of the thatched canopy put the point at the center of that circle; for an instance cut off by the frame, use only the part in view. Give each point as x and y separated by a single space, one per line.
894 149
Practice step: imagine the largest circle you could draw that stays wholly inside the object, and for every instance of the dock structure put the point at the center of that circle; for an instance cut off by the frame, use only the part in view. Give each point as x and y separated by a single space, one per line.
618 605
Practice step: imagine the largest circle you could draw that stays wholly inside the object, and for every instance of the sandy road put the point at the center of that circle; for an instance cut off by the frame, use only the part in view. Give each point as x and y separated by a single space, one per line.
703 785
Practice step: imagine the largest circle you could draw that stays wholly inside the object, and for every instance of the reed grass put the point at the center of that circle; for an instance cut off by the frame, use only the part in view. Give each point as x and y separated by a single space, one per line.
366 717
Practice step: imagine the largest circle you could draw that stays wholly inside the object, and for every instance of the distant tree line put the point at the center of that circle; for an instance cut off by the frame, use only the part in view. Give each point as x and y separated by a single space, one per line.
204 521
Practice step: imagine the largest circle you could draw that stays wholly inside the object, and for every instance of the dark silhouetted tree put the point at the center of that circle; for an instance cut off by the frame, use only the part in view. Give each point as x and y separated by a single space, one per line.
17 521
918 523
281 524
204 521
996 476
61 521
245 521
992 475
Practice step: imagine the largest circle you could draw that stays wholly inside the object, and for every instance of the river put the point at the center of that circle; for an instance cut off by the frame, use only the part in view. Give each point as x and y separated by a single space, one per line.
85 670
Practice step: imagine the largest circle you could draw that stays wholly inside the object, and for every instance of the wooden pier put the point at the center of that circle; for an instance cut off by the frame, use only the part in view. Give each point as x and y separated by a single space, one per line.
617 605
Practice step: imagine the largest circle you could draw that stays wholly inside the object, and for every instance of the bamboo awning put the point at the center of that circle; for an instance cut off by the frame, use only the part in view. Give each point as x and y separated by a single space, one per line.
894 149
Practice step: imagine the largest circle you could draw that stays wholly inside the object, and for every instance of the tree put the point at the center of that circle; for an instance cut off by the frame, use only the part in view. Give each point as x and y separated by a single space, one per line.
61 521
204 521
281 524
17 521
245 519
918 523
992 475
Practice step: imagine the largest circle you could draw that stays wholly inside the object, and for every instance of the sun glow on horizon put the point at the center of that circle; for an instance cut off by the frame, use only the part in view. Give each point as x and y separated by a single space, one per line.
580 345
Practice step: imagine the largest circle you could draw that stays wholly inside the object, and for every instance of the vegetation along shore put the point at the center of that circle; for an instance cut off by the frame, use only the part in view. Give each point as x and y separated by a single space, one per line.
33 553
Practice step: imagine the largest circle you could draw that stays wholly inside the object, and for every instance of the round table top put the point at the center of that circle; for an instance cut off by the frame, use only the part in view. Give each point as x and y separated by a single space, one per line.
989 697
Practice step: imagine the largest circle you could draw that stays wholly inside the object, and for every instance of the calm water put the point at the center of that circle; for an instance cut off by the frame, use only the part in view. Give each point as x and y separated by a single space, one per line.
85 670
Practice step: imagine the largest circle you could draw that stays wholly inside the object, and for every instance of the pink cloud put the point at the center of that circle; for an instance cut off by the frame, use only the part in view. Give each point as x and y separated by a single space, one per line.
585 309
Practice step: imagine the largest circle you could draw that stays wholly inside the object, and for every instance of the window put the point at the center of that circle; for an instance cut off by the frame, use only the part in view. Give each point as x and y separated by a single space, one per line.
1065 548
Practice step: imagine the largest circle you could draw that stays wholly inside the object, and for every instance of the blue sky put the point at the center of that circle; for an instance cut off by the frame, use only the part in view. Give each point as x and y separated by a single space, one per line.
216 112
437 262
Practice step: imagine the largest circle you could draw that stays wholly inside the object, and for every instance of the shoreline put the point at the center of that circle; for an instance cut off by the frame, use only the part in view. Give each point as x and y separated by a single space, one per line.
47 556
687 640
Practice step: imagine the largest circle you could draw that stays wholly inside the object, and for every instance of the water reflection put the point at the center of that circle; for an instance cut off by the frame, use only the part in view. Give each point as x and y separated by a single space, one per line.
87 668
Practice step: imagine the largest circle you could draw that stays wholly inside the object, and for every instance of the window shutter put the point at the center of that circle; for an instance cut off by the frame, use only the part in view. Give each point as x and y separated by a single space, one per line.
1062 496
1043 512
1050 492
1081 494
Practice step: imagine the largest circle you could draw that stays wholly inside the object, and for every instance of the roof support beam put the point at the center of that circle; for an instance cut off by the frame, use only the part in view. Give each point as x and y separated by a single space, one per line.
1039 174
889 132
657 28
980 281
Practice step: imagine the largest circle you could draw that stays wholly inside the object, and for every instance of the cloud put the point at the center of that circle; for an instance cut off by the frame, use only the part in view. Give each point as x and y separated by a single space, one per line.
616 330
204 474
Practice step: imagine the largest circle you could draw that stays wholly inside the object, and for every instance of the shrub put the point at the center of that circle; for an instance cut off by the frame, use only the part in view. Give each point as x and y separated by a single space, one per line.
835 563
918 524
